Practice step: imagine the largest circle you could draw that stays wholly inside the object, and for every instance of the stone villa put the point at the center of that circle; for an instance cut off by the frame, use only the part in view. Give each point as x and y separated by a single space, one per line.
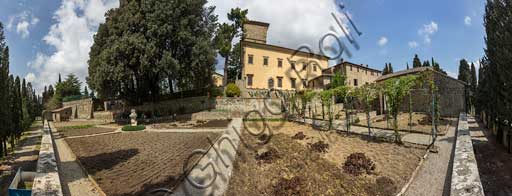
268 66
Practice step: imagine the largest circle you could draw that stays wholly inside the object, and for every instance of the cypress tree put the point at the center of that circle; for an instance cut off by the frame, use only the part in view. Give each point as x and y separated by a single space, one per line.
473 77
390 69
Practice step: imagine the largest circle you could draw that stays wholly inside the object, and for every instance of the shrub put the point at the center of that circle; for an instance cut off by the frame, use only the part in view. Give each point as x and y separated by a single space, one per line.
232 90
134 128
357 163
215 92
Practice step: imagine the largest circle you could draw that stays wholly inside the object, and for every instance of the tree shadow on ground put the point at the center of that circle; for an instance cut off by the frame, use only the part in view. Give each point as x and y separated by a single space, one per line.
106 161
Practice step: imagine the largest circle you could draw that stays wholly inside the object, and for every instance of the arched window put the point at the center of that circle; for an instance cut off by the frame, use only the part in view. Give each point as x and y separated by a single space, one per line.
270 83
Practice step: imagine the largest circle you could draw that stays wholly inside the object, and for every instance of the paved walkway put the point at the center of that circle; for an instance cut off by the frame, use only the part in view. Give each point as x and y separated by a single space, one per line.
494 162
25 156
74 180
434 176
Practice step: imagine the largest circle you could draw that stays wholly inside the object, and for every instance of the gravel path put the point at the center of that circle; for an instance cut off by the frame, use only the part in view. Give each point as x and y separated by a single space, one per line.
434 176
25 156
74 180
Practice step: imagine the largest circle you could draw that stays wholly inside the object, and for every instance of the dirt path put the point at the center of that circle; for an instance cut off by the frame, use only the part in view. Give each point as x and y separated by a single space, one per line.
494 163
74 180
25 156
434 176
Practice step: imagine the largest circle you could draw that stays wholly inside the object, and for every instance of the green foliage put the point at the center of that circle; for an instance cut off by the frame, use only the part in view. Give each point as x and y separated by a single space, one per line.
464 71
78 127
148 48
134 128
338 80
70 87
19 103
224 38
388 68
494 95
232 90
395 89
416 62
73 98
366 95
216 92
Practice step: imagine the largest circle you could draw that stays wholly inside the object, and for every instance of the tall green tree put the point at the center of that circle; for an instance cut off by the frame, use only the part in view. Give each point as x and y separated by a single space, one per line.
390 68
385 71
473 79
234 63
144 44
494 92
464 72
426 63
5 120
225 35
416 62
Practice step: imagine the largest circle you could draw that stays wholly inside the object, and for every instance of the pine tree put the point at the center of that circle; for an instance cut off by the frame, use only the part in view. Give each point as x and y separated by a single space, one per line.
416 62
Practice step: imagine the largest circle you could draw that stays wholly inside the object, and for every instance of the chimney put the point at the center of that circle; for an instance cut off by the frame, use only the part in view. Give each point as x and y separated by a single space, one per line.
255 31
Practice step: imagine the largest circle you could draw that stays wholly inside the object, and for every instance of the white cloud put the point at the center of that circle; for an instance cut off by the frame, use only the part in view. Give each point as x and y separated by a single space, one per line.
467 21
23 22
71 37
452 74
412 44
427 31
30 77
22 29
382 41
38 62
292 24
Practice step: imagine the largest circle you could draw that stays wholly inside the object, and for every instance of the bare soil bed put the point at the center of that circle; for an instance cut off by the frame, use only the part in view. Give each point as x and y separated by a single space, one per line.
494 162
136 163
297 167
67 132
192 124
421 123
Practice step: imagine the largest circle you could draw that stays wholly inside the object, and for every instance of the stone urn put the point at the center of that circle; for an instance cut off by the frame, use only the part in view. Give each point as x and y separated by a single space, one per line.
133 117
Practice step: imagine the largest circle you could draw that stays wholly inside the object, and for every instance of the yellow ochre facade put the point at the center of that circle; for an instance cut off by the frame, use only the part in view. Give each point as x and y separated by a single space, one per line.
273 67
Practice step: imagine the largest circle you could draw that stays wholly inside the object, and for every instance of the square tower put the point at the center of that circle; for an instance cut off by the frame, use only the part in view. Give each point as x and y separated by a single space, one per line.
255 31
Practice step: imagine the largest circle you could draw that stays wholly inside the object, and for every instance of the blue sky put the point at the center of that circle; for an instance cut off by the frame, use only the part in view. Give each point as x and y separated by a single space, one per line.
48 37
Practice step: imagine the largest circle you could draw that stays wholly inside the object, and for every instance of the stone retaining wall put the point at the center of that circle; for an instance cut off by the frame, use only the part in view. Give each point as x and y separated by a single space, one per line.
81 109
47 180
465 176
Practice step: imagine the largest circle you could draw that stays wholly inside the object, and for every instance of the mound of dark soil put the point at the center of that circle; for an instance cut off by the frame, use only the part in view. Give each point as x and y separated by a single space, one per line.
291 186
357 163
267 155
299 136
319 146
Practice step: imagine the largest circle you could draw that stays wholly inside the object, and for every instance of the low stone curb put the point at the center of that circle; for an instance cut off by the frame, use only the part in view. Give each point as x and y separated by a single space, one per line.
91 179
